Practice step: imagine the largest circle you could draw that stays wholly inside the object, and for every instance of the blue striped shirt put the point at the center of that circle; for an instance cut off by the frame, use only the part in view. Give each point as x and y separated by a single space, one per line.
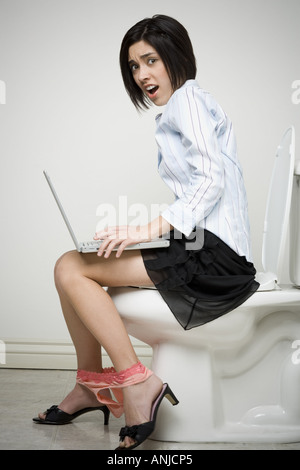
197 159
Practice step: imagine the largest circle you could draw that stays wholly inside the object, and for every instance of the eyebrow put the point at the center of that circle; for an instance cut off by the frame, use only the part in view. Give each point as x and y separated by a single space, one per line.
142 57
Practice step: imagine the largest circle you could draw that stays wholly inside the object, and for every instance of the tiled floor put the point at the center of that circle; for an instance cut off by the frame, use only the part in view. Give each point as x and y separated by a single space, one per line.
25 392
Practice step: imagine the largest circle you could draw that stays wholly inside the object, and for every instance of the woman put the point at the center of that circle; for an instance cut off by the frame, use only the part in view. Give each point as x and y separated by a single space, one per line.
205 272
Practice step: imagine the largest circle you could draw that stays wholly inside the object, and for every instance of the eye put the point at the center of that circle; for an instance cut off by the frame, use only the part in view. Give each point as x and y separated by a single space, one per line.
133 67
152 61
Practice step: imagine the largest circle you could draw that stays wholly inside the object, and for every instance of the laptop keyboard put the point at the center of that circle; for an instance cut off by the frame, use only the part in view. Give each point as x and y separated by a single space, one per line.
92 244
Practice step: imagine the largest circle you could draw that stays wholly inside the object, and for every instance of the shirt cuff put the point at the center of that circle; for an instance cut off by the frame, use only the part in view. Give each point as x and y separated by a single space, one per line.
181 218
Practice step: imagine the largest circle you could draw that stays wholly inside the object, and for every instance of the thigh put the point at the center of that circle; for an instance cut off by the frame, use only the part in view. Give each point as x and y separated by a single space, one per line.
127 270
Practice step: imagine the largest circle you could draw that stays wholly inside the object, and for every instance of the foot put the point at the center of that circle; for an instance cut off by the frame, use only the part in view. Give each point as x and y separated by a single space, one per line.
138 401
80 397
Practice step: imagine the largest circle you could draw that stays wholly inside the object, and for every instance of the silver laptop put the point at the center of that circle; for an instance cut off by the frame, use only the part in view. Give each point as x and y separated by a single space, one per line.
94 245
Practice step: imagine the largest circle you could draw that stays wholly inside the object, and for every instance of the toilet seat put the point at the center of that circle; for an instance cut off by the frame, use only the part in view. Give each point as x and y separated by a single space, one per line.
277 213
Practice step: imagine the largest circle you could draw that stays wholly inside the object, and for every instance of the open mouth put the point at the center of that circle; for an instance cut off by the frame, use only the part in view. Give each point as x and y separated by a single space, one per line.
151 90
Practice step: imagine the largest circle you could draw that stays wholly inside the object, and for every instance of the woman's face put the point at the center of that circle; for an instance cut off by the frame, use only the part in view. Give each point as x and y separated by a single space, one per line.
149 72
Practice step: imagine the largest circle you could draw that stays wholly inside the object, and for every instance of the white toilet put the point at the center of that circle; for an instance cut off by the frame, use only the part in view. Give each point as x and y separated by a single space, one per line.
237 378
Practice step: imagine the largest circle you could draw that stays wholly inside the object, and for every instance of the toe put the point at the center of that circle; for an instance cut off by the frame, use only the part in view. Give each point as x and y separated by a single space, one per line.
128 442
42 415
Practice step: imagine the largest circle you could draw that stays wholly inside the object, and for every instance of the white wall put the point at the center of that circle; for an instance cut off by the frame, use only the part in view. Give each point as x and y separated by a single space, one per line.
66 110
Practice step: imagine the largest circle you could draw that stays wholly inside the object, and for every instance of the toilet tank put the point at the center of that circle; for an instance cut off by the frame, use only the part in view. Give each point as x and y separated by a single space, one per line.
295 228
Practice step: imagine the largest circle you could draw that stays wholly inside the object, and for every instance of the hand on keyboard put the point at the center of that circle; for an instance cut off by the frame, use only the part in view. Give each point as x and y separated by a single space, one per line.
121 236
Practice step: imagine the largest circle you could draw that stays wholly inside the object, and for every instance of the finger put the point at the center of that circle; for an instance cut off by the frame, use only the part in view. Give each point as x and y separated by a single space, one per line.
103 234
103 246
117 230
111 247
124 244
121 249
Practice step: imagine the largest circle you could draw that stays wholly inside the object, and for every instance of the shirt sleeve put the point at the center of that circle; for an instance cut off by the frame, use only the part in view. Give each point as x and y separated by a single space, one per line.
199 123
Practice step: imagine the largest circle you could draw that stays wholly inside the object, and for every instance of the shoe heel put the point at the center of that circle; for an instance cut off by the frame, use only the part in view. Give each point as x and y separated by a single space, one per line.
170 396
106 413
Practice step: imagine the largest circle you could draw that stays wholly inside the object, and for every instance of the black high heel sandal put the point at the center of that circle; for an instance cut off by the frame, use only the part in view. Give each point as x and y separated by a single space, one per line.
142 431
55 415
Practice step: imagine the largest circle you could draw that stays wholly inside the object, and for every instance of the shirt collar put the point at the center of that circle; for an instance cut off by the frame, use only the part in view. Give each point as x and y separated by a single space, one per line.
190 82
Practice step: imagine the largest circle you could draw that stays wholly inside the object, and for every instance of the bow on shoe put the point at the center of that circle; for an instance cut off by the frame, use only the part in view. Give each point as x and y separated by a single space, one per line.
138 432
129 431
142 431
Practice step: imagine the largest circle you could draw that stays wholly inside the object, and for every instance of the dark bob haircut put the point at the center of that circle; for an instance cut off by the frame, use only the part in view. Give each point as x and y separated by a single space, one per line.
171 41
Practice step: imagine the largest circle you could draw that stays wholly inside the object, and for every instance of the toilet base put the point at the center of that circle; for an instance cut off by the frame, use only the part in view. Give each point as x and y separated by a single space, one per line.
202 414
237 378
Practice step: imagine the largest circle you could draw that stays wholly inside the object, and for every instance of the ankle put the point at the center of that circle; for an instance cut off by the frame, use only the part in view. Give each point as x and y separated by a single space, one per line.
135 374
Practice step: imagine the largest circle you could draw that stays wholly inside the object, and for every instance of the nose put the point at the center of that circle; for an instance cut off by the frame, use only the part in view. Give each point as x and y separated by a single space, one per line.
143 73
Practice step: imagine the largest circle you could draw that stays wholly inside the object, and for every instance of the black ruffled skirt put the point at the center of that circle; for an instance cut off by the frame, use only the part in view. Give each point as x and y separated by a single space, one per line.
200 279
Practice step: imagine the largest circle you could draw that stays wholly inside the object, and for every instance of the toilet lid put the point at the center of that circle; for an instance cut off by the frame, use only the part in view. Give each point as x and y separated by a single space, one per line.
278 205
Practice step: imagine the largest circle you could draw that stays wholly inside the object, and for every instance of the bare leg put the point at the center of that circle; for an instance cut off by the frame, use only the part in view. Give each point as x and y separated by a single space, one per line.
88 353
93 320
88 350
78 281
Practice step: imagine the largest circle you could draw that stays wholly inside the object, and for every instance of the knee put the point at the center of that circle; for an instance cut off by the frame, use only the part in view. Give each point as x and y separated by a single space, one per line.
65 269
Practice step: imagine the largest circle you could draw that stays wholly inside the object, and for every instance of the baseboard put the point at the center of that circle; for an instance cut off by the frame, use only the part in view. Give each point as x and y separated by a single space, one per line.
44 354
